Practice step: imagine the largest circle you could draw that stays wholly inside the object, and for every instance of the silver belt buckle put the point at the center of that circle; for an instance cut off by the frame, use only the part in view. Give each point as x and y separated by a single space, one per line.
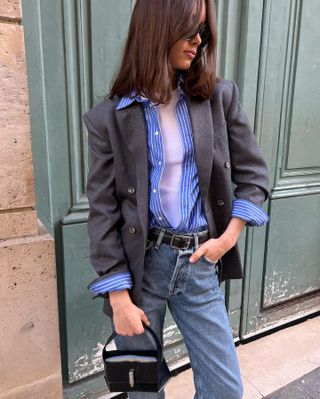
185 247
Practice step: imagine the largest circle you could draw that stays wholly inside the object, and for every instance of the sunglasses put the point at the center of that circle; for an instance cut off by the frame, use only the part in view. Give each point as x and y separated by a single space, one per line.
204 33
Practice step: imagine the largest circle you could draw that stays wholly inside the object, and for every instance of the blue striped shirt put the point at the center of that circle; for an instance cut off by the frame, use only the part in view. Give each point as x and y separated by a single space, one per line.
192 216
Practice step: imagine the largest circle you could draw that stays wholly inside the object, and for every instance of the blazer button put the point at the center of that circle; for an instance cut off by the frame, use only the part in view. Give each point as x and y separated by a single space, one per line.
220 202
132 229
227 164
131 190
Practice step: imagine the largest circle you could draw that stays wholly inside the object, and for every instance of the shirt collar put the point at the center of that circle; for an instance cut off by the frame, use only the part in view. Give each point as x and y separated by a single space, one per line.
127 100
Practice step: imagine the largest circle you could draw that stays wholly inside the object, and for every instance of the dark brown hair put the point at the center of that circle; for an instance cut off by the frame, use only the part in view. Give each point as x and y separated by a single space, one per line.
154 28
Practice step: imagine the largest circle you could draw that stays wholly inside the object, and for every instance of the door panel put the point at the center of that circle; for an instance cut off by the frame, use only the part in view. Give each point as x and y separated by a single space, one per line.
292 256
304 123
284 282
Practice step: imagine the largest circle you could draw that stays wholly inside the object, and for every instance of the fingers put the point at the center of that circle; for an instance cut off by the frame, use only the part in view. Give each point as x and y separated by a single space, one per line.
138 328
130 322
197 254
211 246
145 319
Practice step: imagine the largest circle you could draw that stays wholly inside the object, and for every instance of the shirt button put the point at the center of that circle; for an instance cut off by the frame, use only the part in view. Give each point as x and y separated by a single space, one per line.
159 162
220 202
227 164
154 190
131 190
132 229
160 218
156 133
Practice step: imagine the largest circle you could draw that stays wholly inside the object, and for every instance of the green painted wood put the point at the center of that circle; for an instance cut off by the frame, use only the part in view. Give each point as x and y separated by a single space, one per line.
238 57
304 124
292 259
283 260
83 315
43 29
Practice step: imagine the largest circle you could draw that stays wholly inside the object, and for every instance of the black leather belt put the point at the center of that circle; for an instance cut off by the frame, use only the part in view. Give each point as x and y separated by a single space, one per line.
180 241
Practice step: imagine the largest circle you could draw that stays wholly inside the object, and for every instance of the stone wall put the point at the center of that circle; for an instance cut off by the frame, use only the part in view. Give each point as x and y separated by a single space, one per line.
30 365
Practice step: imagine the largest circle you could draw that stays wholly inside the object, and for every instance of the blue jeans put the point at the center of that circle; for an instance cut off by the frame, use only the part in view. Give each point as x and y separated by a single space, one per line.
197 305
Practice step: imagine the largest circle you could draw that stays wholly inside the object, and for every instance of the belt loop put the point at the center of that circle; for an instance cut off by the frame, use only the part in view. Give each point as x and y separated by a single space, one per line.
159 239
196 240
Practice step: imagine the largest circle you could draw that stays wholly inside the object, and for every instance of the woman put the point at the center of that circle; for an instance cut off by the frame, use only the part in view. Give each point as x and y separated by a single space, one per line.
165 146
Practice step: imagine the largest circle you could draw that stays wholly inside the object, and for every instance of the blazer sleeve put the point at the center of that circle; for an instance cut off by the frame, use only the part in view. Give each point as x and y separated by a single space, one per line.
249 171
106 251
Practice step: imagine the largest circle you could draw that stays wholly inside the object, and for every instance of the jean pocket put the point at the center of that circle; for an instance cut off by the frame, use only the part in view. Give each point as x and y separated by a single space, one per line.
211 262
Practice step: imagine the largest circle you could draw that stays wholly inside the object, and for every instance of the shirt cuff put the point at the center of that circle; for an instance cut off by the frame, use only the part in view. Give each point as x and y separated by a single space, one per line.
247 210
116 282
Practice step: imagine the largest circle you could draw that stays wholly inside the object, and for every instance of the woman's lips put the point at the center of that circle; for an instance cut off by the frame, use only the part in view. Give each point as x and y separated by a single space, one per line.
190 54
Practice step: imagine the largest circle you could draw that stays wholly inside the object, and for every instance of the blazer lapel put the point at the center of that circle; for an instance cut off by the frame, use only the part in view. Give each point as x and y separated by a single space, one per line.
133 128
203 138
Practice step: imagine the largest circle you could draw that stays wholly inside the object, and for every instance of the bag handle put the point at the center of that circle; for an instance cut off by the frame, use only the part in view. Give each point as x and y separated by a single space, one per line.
149 329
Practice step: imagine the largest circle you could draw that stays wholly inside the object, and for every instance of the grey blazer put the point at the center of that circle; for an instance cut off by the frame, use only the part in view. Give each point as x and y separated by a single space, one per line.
226 151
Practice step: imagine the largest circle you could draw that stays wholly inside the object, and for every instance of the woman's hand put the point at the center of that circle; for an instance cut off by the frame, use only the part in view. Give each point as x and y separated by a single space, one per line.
213 249
127 317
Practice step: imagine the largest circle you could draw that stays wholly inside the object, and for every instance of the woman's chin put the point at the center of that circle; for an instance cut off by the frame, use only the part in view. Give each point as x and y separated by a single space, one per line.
185 66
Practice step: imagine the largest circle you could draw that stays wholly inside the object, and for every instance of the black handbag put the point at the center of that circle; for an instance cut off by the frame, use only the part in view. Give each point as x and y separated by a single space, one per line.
135 370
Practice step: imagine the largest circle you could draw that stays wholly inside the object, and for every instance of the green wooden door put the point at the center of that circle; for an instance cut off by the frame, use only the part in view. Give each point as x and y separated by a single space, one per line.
283 260
270 49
